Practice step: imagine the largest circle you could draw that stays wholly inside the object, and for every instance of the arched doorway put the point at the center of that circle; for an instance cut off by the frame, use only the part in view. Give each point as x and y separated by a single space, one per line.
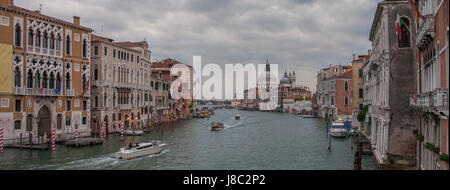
44 122
94 127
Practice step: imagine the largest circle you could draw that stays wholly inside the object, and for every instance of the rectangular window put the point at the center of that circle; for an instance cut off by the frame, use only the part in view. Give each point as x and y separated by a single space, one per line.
96 50
68 105
105 51
361 74
346 100
361 106
84 121
84 105
361 93
18 105
119 116
59 121
68 121
114 53
346 86
131 57
114 117
17 124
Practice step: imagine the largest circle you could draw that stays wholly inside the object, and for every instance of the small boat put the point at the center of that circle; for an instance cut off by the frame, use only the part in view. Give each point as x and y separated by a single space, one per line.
217 126
237 117
139 150
133 132
338 129
309 116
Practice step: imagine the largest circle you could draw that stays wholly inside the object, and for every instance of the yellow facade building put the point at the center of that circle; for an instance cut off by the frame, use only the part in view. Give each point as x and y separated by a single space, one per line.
44 76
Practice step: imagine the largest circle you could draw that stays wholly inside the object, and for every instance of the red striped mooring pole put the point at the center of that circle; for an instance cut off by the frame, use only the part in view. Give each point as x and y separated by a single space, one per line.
53 139
1 140
76 136
104 130
121 132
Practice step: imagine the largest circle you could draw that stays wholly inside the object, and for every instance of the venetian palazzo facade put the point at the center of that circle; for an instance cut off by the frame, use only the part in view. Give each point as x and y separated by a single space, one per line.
389 79
358 91
430 101
167 104
121 84
44 62
334 85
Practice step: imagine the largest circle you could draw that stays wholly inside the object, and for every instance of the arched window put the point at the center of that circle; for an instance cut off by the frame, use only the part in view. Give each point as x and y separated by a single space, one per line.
83 81
18 35
52 41
17 77
58 80
95 72
68 45
30 37
104 100
404 38
45 40
30 79
38 38
37 82
84 48
44 80
51 81
58 42
67 81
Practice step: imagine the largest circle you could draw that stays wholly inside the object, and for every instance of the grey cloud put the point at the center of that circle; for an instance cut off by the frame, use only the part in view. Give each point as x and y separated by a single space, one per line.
300 35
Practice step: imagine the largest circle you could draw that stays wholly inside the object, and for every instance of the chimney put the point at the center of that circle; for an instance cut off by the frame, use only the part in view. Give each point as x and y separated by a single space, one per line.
76 20
8 3
354 57
370 52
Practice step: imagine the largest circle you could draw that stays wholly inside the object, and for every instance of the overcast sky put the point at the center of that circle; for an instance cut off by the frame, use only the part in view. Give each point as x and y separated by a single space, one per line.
298 35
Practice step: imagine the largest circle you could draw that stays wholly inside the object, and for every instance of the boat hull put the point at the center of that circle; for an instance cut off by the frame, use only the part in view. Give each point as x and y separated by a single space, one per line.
338 133
139 153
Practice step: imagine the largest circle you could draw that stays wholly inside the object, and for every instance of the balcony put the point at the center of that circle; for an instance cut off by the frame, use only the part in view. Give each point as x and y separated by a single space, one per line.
426 31
70 92
440 99
422 101
19 91
125 106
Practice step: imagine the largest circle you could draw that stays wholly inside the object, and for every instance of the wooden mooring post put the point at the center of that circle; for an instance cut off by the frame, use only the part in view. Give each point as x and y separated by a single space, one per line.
357 161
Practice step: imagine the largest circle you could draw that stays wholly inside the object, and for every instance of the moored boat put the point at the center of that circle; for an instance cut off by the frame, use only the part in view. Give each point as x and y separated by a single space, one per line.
237 117
139 150
338 129
133 132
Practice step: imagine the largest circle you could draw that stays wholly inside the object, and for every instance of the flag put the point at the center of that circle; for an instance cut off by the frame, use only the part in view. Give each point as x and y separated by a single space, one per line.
85 88
398 24
415 9
58 88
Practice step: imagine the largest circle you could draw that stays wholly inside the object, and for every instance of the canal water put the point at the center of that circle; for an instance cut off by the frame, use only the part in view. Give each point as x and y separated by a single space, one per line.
258 141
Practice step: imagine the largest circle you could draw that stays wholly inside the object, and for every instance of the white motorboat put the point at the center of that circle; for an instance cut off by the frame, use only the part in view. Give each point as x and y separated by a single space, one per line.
237 117
133 132
217 126
140 150
338 129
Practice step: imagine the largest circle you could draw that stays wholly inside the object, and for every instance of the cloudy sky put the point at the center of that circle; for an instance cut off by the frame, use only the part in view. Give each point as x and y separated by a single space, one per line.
298 35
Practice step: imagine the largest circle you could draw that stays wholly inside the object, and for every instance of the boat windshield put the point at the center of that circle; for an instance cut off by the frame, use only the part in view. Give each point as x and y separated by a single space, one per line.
338 126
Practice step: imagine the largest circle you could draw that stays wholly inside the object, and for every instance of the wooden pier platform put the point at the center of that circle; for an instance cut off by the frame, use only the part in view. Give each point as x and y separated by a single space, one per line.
84 142
29 146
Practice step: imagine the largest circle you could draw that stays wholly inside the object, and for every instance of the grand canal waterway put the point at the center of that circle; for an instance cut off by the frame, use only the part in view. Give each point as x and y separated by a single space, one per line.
260 141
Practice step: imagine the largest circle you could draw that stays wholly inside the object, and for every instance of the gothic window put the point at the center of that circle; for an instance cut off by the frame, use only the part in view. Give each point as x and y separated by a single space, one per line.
58 42
38 80
403 40
45 40
51 81
44 80
67 81
18 35
52 41
30 37
38 38
105 51
17 77
58 80
95 72
83 80
30 79
346 86
85 48
104 100
68 45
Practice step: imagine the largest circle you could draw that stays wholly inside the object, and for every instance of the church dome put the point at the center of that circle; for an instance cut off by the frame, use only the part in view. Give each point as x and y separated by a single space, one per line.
285 79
